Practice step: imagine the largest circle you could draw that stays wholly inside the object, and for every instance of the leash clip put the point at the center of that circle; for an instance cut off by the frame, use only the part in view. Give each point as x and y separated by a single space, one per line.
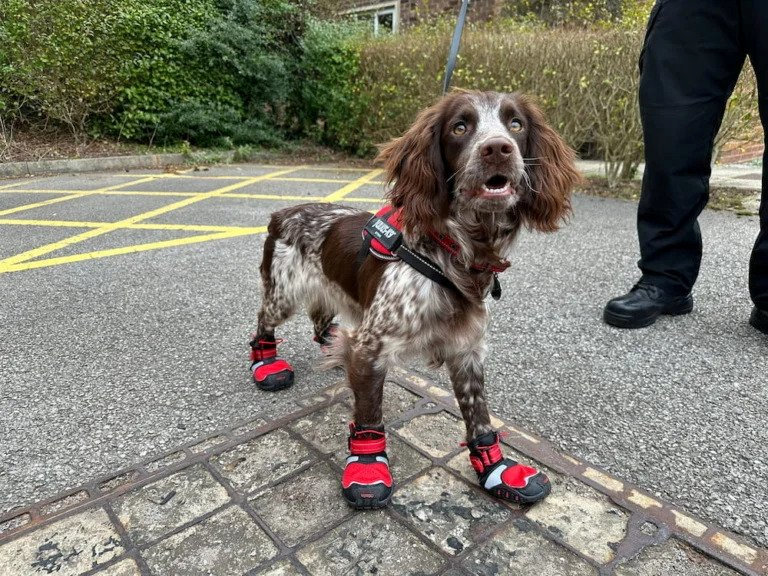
496 289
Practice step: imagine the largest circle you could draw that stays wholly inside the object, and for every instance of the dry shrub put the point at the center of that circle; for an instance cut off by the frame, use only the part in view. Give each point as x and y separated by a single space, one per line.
585 80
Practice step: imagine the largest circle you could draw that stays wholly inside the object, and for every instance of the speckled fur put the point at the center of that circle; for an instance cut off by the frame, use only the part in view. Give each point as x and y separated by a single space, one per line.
393 311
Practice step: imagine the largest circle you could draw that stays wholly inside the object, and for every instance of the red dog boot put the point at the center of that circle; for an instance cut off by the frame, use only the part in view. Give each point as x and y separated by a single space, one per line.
326 338
366 482
503 477
269 372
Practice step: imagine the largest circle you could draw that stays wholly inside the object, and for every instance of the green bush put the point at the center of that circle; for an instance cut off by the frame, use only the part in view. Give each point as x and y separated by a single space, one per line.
331 92
249 49
211 71
585 80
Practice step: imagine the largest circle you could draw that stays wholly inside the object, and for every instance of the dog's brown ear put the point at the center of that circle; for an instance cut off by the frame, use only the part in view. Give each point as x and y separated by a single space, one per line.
414 166
552 172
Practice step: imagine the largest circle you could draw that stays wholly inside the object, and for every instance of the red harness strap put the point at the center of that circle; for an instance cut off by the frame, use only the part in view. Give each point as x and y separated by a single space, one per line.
392 217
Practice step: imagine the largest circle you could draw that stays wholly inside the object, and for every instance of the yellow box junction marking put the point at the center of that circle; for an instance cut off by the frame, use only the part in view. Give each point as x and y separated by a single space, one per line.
25 260
88 224
14 263
7 186
352 186
131 249
71 196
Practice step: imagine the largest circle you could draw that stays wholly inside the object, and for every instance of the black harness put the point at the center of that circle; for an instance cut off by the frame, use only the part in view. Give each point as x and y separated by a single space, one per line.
379 230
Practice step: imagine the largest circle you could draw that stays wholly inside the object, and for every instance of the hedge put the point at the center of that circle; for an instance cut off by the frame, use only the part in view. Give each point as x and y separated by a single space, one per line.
585 80
245 72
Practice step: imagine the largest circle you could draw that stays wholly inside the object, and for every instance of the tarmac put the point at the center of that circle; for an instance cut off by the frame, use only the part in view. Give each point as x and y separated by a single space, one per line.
134 443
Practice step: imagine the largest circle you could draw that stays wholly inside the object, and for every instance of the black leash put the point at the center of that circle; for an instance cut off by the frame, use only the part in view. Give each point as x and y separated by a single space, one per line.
451 64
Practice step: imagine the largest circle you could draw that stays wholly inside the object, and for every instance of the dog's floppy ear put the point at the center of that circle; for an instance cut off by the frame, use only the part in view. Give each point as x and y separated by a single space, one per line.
552 172
414 165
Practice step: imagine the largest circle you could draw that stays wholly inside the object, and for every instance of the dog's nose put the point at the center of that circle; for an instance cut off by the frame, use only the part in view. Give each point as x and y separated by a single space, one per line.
496 149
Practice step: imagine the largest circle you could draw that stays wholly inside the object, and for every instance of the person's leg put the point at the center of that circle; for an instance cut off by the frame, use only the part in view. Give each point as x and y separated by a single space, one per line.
691 61
755 22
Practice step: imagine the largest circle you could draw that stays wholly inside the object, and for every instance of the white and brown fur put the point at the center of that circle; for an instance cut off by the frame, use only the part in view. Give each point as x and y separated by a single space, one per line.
442 179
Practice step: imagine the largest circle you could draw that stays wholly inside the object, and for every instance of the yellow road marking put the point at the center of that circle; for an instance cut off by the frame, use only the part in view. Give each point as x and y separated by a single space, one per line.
352 186
80 194
7 186
276 197
368 200
104 193
128 250
42 250
77 224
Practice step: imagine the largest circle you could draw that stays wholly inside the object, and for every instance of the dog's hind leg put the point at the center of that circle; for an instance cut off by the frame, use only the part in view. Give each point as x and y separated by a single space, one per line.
278 303
366 482
499 476
324 327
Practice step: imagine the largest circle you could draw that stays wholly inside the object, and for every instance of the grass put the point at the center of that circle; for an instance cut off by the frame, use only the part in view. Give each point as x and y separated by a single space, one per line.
737 200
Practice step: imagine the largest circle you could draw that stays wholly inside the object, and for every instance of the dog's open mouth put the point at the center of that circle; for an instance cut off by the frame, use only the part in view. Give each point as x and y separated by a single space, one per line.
497 185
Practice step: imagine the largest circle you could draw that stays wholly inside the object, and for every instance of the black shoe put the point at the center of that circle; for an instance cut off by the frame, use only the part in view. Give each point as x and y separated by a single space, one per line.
759 320
643 305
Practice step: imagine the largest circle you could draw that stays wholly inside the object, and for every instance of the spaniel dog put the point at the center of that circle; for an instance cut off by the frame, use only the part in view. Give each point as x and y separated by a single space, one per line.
473 170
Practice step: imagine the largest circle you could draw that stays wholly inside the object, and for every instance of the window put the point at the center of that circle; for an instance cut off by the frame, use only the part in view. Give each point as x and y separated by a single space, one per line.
383 17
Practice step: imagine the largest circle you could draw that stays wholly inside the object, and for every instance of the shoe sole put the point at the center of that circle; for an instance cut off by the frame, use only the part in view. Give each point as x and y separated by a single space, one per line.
275 384
369 503
625 321
758 322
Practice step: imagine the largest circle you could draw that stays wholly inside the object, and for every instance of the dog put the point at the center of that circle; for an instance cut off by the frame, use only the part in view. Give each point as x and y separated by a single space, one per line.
469 174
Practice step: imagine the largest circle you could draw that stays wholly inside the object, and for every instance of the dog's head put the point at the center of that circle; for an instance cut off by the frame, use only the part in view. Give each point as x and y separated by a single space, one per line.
482 152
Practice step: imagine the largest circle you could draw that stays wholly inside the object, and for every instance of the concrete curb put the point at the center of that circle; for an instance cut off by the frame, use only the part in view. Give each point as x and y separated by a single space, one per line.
21 169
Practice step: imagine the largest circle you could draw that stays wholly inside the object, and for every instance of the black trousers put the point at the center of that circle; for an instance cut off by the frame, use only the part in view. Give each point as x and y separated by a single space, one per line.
692 57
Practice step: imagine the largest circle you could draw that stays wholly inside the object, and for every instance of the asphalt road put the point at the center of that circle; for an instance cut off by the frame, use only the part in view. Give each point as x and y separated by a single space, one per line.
109 358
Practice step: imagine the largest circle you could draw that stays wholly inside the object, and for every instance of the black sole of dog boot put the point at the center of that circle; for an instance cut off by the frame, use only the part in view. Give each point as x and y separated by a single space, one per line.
369 499
278 380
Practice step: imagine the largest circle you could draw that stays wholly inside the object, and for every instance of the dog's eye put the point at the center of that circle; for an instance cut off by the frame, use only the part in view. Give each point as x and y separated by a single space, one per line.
460 129
516 125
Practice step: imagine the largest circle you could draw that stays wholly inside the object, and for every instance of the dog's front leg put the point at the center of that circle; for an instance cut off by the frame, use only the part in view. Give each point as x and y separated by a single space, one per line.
499 476
468 379
366 377
366 482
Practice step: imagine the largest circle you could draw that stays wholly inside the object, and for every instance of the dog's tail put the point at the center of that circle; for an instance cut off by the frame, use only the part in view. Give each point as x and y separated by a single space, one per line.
336 354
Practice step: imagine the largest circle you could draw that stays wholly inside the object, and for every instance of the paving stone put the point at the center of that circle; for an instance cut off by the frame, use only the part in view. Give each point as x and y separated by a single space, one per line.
124 568
67 547
156 509
437 434
282 568
14 523
63 503
672 558
581 517
520 550
228 543
254 465
369 543
447 511
248 427
166 461
404 461
327 429
303 505
396 401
